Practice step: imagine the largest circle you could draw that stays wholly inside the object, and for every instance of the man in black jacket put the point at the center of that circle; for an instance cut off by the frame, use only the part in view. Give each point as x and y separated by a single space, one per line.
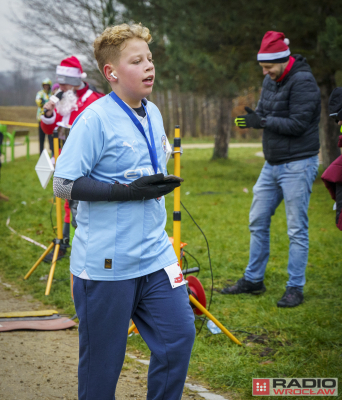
289 112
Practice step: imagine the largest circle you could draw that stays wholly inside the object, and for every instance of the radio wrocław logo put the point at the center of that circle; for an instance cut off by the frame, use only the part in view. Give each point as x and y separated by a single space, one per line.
295 387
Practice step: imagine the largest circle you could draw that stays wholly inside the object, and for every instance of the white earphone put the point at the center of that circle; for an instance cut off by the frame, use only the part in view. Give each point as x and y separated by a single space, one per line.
115 77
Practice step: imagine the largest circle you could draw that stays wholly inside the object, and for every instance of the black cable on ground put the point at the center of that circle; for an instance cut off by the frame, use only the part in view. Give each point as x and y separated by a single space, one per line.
211 270
198 264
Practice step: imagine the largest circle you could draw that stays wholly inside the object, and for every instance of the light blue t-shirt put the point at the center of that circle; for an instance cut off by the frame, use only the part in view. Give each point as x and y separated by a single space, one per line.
116 240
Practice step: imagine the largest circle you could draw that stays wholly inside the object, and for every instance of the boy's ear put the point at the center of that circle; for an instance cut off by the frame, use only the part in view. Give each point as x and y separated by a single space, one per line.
108 70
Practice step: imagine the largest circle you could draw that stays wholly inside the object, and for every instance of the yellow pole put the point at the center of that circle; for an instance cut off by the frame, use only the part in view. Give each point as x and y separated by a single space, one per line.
31 124
131 329
39 261
52 270
177 238
176 207
59 223
216 322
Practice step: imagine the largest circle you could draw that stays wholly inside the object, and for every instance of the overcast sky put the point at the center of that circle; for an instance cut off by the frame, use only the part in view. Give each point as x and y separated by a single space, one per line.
7 30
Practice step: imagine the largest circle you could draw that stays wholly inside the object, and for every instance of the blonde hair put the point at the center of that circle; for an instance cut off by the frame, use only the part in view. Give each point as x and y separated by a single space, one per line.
107 46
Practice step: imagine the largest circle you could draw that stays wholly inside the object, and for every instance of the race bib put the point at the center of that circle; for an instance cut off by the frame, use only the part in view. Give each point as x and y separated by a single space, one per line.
175 275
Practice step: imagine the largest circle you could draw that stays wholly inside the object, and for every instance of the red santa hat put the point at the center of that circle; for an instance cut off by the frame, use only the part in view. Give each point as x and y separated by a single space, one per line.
274 48
70 71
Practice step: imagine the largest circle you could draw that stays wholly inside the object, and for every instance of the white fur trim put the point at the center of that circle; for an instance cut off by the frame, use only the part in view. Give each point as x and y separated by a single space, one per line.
83 75
49 121
287 41
86 95
273 56
65 121
68 71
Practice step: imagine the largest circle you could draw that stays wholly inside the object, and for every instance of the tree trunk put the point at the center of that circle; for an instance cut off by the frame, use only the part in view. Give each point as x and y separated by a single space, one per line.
184 112
175 101
328 129
166 115
202 116
208 117
223 129
194 113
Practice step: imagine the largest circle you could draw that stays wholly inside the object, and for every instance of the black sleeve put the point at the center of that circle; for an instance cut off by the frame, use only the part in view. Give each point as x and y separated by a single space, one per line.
87 189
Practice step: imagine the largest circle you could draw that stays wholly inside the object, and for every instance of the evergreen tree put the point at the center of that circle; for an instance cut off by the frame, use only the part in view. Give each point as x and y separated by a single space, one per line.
211 47
196 49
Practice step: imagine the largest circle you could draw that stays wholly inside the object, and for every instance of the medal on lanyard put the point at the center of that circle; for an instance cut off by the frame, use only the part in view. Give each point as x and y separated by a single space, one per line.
151 147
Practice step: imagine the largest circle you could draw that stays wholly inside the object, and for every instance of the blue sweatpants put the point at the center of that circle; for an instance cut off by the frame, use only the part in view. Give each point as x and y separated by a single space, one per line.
165 321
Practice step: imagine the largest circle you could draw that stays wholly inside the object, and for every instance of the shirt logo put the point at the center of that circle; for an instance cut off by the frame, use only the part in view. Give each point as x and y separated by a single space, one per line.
163 142
128 145
85 119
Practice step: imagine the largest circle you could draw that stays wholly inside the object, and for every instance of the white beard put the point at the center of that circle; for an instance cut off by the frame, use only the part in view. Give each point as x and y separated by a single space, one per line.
67 104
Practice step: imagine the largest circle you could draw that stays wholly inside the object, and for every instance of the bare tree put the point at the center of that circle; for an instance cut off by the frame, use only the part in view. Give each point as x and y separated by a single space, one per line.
54 29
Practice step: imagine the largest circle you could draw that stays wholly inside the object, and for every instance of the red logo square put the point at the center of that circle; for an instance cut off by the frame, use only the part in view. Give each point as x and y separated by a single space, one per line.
261 387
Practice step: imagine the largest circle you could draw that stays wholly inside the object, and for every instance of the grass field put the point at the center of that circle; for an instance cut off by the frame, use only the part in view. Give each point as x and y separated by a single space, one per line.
300 342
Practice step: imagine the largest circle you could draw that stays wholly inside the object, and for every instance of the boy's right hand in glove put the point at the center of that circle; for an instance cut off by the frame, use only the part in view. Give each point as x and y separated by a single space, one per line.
144 188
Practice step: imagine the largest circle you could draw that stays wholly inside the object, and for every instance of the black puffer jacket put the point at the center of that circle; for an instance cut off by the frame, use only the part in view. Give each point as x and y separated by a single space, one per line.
292 109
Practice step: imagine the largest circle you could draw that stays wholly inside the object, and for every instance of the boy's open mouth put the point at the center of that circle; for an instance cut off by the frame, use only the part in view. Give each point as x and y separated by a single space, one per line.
149 79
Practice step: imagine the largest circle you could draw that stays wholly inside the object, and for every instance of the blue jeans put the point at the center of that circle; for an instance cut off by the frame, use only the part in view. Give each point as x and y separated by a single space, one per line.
293 183
165 321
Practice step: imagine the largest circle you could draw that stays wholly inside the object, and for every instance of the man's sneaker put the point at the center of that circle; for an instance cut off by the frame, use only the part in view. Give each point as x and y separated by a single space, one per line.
243 286
48 258
291 298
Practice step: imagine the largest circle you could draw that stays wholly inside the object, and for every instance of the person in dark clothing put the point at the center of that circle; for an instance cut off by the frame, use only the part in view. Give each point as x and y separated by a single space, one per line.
289 112
332 176
42 97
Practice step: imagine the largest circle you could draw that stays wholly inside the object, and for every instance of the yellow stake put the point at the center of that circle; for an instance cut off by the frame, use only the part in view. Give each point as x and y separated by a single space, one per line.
177 237
176 207
59 224
59 232
176 246
131 329
39 260
211 317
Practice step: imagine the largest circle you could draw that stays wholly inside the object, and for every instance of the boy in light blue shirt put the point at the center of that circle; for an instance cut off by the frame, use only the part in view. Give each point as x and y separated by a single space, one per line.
124 266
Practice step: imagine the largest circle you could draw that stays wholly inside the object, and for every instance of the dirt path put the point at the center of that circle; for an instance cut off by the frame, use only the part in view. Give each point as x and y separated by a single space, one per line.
38 365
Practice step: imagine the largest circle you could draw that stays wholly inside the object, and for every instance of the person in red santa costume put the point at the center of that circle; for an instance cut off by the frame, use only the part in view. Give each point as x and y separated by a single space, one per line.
61 110
77 95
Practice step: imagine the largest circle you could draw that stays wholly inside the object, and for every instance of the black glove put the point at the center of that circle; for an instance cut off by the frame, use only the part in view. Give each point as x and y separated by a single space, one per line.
144 188
250 120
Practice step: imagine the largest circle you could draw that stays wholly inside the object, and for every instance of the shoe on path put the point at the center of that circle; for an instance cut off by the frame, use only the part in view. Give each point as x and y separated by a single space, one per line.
61 254
244 286
291 298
